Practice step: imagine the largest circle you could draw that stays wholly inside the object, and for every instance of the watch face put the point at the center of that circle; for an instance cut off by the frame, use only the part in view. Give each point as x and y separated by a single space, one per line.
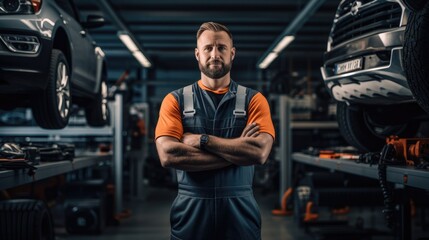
203 140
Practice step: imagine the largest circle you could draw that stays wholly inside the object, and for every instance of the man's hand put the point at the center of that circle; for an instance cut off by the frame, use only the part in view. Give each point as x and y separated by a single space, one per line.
251 130
192 140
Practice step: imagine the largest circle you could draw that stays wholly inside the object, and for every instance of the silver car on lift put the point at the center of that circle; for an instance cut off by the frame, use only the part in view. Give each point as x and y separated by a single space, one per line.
49 61
375 65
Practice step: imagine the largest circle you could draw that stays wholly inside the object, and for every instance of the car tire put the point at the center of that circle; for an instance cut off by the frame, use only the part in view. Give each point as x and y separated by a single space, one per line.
359 131
416 52
25 219
97 112
415 5
51 108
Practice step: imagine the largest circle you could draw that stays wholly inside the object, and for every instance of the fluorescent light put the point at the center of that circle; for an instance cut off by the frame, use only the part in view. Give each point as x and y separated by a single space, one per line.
268 59
283 43
131 45
128 42
142 59
286 40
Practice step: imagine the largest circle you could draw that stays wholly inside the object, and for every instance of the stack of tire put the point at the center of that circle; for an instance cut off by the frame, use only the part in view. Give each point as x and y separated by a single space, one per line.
25 219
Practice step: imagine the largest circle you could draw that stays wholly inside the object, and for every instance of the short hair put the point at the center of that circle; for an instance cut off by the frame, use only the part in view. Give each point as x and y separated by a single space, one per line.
215 27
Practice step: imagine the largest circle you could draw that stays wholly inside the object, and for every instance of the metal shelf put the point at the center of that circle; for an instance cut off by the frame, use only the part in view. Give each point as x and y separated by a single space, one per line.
67 131
405 175
13 178
91 160
314 124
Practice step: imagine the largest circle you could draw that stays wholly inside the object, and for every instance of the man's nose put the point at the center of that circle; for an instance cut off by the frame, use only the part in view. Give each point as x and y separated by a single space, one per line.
214 54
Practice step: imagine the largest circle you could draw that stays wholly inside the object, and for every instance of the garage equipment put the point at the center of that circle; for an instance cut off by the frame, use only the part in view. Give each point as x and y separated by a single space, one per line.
409 151
284 209
85 207
398 151
337 192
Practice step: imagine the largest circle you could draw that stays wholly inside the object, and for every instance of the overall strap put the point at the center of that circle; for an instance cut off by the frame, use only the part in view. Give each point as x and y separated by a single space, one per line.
188 101
240 100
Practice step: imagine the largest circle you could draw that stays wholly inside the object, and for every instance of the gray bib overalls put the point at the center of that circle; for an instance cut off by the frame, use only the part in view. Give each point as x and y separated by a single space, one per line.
217 204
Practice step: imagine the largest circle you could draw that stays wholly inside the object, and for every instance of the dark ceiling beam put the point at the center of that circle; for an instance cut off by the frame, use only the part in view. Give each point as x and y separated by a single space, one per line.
237 28
174 39
172 3
137 18
189 31
116 19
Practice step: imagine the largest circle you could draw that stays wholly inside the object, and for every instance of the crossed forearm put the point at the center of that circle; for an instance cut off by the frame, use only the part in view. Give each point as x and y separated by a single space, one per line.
241 151
248 149
178 155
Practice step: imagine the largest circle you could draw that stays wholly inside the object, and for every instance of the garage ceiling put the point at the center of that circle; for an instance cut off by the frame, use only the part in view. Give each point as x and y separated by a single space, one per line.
166 29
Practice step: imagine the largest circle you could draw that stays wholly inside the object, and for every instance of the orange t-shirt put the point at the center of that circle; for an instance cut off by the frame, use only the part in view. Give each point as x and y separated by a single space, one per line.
170 117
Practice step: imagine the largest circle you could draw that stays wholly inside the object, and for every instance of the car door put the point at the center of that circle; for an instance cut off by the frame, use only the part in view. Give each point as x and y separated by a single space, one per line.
83 57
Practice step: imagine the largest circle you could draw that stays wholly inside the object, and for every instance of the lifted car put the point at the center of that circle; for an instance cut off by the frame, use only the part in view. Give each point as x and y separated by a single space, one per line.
49 61
368 69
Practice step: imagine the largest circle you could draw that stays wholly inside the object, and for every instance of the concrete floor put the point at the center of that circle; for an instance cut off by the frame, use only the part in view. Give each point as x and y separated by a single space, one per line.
150 220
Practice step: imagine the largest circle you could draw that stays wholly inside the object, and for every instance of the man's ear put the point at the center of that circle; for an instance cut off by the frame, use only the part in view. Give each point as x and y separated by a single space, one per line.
232 53
197 54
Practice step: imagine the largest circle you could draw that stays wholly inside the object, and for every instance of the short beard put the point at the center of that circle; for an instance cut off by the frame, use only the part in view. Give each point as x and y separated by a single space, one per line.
217 73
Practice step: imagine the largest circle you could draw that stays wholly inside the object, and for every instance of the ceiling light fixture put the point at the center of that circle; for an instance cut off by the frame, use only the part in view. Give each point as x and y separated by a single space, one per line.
283 43
142 59
124 33
271 56
267 60
128 42
134 49
288 35
276 51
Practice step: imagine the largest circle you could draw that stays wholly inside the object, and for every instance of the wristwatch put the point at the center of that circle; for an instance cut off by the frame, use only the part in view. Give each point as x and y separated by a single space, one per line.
204 139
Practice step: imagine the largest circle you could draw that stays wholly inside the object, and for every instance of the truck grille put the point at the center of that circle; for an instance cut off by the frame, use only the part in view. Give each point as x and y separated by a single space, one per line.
346 6
385 15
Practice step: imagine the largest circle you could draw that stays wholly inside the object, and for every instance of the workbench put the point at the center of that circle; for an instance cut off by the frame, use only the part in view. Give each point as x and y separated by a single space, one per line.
14 178
403 176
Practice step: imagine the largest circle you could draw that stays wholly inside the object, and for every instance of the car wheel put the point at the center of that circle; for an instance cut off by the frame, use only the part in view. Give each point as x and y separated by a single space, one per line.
415 5
97 112
416 52
51 108
361 131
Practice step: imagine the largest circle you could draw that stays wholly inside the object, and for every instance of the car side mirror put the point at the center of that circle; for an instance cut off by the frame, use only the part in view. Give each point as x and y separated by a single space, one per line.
93 21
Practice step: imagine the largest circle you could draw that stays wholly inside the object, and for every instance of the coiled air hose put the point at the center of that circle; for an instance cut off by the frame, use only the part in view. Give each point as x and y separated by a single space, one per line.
387 156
